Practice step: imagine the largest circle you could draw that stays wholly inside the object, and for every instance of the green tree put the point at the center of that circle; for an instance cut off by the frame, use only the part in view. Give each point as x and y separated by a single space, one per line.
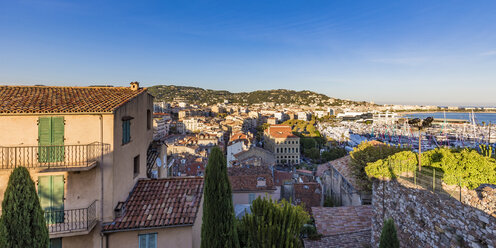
389 238
218 211
369 152
333 153
22 223
272 224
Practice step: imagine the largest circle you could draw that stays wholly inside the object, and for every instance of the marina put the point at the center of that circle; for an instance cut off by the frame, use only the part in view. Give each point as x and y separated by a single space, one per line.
444 132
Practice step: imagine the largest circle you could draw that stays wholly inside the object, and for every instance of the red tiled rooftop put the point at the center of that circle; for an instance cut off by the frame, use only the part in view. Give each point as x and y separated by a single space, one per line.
282 176
160 203
339 220
246 179
280 131
308 193
52 99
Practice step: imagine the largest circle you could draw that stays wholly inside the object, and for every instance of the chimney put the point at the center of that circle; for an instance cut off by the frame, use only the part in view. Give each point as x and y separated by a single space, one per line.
134 86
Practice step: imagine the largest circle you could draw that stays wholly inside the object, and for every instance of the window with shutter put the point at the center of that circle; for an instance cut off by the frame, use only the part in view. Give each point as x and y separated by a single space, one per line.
148 240
51 139
126 131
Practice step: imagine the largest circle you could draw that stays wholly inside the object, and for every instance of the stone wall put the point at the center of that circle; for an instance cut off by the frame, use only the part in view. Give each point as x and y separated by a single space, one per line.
425 219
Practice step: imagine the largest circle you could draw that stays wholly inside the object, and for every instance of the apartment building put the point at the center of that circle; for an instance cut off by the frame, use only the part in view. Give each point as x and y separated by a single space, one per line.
280 140
85 148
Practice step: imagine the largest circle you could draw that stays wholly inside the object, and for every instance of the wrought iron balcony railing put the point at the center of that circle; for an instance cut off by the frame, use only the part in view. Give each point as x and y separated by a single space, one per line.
52 157
72 220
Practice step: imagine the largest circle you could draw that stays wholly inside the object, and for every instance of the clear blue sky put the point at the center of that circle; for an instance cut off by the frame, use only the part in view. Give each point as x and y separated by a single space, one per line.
425 52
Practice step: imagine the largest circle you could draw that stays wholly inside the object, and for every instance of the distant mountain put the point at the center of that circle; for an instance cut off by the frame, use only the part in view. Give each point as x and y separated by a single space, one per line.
196 95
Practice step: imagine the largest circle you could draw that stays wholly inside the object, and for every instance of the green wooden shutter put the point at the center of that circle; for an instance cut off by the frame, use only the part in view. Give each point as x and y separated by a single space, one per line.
44 192
58 198
51 194
44 138
57 152
126 131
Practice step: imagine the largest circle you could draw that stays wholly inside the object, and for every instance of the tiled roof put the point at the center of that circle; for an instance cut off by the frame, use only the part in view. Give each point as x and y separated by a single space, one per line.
347 240
51 99
280 131
309 193
246 179
339 220
342 165
282 176
160 203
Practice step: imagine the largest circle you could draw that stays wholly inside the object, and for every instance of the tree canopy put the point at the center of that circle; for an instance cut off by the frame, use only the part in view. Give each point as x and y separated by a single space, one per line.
466 167
368 152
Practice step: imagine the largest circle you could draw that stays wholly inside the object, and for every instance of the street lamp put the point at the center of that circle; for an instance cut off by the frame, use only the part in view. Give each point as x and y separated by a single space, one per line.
420 124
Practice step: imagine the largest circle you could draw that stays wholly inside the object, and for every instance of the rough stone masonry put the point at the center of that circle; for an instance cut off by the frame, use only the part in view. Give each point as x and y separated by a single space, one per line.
425 219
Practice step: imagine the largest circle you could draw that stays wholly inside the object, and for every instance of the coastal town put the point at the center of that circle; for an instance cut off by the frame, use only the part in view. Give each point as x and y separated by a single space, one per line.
120 169
247 124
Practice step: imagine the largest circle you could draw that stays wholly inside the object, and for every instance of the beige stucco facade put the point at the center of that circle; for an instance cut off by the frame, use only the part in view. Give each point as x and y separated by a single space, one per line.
286 150
107 182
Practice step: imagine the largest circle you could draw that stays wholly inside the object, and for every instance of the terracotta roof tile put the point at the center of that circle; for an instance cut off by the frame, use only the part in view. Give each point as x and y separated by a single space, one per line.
52 99
280 177
339 220
280 131
160 202
246 179
308 193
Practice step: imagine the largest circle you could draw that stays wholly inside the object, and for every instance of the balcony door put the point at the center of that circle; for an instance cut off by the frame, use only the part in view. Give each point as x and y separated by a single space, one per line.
51 194
51 139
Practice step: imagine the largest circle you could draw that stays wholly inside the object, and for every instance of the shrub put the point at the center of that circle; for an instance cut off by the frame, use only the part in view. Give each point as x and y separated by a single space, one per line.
272 224
389 238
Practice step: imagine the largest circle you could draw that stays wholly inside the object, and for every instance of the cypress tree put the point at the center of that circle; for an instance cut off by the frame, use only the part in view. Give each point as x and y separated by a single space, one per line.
218 212
389 239
22 223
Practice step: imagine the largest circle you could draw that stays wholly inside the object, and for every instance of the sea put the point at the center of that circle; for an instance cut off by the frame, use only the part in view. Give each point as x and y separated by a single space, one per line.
479 117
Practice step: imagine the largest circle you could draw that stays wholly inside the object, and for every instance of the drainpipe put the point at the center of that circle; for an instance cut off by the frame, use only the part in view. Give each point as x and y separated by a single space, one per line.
101 174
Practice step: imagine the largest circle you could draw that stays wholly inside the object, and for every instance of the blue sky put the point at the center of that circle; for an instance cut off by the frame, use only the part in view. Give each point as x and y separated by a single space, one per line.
413 52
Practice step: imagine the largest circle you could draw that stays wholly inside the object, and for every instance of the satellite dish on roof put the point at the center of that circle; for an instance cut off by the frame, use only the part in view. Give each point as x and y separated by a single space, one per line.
159 162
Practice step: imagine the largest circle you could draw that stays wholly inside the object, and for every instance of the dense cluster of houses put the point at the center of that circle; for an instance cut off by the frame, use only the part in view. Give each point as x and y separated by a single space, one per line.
117 170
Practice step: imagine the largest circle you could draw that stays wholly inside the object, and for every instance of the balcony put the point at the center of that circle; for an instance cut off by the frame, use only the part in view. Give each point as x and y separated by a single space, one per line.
53 158
62 223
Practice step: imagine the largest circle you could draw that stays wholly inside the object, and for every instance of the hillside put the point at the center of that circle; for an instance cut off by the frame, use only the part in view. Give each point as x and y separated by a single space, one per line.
196 95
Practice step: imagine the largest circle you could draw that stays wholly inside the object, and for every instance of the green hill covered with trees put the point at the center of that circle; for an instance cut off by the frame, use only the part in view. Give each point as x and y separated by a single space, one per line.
196 95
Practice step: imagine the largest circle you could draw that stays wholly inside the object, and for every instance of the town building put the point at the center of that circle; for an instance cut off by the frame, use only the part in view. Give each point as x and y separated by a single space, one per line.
303 116
249 183
280 140
255 156
85 148
159 213
341 185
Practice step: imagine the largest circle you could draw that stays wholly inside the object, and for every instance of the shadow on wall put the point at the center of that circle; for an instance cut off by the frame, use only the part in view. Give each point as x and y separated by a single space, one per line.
427 219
